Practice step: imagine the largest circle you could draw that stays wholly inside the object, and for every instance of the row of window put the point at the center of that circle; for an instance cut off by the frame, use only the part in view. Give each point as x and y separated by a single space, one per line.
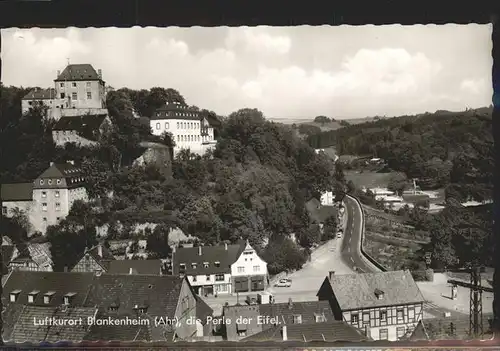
384 333
218 278
44 206
194 265
241 269
73 84
178 114
190 138
74 96
383 316
56 193
180 125
47 297
45 219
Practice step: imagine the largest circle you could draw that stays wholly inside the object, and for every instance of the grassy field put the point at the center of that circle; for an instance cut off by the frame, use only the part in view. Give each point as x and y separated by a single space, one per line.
369 179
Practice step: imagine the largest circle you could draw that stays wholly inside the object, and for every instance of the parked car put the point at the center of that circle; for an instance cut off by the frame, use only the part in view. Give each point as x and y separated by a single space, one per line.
284 283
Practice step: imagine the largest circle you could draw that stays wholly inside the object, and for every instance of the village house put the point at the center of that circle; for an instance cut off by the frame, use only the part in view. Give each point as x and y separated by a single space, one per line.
96 259
189 129
385 305
222 269
288 313
36 258
82 130
36 96
335 331
139 297
47 199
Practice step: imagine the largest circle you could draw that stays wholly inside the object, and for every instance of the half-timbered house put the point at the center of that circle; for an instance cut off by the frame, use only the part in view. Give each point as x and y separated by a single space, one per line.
385 305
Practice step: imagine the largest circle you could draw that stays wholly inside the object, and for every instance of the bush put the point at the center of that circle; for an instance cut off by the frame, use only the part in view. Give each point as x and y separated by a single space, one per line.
423 275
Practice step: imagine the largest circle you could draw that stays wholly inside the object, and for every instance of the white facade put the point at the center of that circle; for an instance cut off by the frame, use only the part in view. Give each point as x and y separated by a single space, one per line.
187 133
221 282
327 198
248 264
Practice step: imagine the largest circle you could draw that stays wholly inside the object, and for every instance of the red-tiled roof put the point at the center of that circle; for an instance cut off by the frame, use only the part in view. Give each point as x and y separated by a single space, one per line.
78 72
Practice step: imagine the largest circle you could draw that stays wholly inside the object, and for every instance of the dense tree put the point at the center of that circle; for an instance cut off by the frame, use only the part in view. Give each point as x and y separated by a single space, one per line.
322 119
157 242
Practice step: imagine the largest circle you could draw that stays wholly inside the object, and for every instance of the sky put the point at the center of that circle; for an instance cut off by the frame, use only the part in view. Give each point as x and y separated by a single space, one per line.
286 72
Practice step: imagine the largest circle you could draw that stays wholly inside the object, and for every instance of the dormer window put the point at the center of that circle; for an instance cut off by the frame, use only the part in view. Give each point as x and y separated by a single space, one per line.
32 296
217 264
68 298
193 265
14 295
47 297
182 267
41 181
205 264
49 181
379 294
58 181
297 319
319 318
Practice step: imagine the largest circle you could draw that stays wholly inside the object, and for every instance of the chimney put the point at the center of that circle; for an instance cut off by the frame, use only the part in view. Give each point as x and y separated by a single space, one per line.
331 274
199 250
284 333
290 303
99 250
225 246
71 162
99 73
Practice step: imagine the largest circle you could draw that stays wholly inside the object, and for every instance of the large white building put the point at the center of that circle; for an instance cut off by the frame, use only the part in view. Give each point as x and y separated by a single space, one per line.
47 199
189 129
223 269
79 89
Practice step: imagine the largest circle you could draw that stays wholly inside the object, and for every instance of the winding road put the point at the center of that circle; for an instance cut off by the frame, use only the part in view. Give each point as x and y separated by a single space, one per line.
351 246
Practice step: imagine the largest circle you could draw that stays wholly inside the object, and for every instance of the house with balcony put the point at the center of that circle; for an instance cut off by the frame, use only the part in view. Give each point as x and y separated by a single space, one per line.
221 269
385 305
47 199
27 295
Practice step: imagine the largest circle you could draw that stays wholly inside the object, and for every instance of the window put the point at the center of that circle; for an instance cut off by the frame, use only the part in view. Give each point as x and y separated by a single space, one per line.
383 334
182 267
58 182
167 125
14 295
47 297
157 125
205 264
62 85
208 277
383 316
355 318
217 264
58 206
89 95
193 265
58 218
241 269
4 210
194 278
178 138
411 315
88 84
366 318
297 319
400 332
49 181
320 318
57 194
45 219
400 314
74 96
32 296
41 181
177 125
219 277
73 84
256 268
44 206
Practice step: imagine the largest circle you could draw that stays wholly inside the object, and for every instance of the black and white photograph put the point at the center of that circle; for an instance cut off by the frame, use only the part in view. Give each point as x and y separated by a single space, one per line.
247 184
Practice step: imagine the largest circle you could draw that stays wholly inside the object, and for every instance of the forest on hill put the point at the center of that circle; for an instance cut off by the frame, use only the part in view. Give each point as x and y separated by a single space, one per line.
253 186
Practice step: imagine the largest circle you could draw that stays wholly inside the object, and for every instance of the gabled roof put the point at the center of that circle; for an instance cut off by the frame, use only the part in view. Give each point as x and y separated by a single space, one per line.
355 291
78 72
74 176
103 259
210 254
329 331
40 94
40 254
24 329
17 192
88 125
137 266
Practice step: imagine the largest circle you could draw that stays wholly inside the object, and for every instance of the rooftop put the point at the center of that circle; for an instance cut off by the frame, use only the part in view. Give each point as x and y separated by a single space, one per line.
40 94
17 192
355 291
136 266
85 124
78 72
